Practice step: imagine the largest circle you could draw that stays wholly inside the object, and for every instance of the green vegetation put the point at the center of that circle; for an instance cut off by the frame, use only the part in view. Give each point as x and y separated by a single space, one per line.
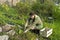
17 16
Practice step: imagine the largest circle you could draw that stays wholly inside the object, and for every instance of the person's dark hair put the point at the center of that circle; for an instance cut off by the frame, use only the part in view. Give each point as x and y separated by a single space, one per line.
31 19
32 13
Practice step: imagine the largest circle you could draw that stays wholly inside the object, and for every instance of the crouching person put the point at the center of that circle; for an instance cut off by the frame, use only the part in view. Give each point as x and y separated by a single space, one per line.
34 23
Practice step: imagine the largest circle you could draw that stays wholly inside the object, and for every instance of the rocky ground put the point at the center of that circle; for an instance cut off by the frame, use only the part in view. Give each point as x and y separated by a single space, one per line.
7 30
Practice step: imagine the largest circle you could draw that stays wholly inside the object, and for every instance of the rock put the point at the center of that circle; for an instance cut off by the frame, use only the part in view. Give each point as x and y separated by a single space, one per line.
0 29
4 37
46 32
11 32
7 27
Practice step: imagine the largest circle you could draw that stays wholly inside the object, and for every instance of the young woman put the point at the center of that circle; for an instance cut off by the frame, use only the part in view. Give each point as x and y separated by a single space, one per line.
33 23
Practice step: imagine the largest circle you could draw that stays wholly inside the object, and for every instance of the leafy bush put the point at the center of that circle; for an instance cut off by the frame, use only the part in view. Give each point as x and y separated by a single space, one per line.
23 7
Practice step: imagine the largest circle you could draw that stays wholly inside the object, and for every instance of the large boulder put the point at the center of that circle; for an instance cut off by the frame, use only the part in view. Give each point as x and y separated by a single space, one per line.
4 37
7 27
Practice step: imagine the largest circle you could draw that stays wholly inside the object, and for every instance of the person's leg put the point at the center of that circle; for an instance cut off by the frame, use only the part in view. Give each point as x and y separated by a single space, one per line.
36 31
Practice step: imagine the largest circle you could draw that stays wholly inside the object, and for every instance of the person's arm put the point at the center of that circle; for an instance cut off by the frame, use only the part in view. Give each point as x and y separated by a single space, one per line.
30 27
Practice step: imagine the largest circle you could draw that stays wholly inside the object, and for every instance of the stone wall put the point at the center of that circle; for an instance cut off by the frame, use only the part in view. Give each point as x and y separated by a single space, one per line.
2 1
13 2
10 2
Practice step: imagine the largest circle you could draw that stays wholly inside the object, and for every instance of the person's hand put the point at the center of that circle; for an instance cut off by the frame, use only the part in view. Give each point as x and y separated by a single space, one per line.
33 28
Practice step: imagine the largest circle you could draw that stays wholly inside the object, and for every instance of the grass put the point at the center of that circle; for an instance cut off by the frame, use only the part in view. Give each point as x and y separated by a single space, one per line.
11 16
56 31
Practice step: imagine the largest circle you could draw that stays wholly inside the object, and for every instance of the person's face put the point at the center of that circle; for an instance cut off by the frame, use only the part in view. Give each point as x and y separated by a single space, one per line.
32 16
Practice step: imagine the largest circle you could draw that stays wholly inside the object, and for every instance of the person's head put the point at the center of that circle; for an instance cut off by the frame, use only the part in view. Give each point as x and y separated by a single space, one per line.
32 15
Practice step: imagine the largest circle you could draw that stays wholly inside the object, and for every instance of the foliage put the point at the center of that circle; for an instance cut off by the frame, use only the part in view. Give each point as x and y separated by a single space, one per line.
23 7
17 16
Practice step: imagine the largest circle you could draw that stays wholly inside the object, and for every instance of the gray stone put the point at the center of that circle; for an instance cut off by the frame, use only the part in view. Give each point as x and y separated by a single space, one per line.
4 37
7 27
0 29
46 32
11 32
